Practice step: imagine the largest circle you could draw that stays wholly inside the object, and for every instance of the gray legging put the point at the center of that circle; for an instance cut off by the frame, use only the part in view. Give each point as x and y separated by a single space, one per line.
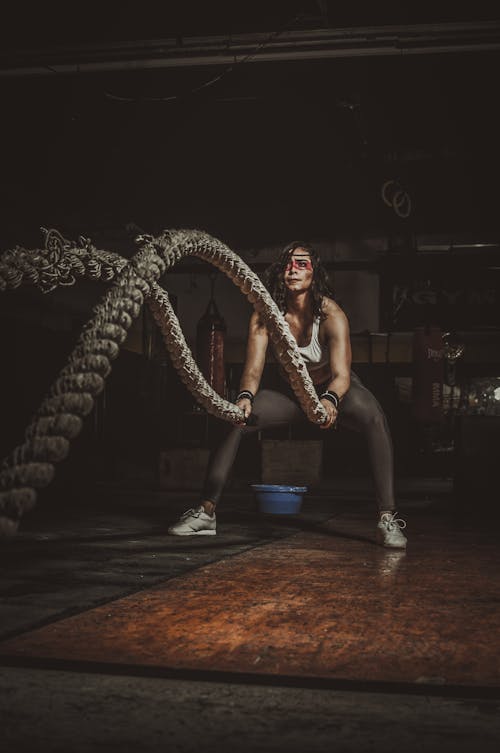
359 411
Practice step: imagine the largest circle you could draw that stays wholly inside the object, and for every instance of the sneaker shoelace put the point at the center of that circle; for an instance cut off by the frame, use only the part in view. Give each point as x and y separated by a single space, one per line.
191 513
393 521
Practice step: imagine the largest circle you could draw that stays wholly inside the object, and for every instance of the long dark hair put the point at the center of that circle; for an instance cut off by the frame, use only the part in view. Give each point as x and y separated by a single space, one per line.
275 283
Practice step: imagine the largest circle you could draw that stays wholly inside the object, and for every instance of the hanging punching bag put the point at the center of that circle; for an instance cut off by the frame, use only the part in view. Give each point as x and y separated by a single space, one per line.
210 334
428 372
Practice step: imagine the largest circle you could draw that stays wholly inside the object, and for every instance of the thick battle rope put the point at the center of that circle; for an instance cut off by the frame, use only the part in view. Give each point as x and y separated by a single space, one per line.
61 262
30 466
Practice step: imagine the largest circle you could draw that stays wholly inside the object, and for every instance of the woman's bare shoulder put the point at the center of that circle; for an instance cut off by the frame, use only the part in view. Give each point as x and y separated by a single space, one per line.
334 317
330 308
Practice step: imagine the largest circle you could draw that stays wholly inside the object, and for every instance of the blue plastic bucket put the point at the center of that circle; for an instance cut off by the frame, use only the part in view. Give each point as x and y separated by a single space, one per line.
278 499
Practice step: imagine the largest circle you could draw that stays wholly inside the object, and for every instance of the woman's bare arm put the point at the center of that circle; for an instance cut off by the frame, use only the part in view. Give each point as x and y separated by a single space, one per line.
336 327
258 340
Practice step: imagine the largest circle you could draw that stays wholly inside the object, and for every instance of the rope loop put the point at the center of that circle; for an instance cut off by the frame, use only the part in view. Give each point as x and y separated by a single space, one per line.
58 420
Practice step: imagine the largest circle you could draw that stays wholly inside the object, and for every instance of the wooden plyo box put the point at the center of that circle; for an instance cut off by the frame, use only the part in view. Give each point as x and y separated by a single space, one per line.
291 461
183 468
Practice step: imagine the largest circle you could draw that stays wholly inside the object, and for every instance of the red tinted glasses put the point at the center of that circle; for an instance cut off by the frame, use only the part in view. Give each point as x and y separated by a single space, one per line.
300 264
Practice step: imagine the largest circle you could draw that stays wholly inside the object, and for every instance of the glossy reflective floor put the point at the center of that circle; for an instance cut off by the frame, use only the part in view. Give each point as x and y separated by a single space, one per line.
114 636
315 599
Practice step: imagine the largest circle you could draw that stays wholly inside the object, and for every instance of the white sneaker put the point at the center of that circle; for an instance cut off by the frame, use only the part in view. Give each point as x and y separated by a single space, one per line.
194 522
389 533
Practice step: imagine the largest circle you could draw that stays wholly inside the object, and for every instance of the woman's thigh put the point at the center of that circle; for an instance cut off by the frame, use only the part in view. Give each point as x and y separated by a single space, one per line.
359 407
273 408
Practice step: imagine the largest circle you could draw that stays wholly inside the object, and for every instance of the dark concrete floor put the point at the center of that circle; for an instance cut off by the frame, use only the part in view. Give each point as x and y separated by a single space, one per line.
69 558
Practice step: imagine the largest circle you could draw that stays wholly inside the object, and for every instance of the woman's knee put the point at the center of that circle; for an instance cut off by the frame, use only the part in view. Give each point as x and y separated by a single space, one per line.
271 407
375 418
366 413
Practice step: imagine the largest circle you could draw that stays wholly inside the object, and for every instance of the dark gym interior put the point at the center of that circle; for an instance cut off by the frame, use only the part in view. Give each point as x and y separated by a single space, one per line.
373 134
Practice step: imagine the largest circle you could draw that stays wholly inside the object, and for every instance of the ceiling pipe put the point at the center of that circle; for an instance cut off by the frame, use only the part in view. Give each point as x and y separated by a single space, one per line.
418 39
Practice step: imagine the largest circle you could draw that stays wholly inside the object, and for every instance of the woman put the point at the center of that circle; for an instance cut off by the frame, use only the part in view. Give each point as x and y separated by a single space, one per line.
298 284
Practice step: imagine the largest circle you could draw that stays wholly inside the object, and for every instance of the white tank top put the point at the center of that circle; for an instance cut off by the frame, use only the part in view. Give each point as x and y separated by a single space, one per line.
314 355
